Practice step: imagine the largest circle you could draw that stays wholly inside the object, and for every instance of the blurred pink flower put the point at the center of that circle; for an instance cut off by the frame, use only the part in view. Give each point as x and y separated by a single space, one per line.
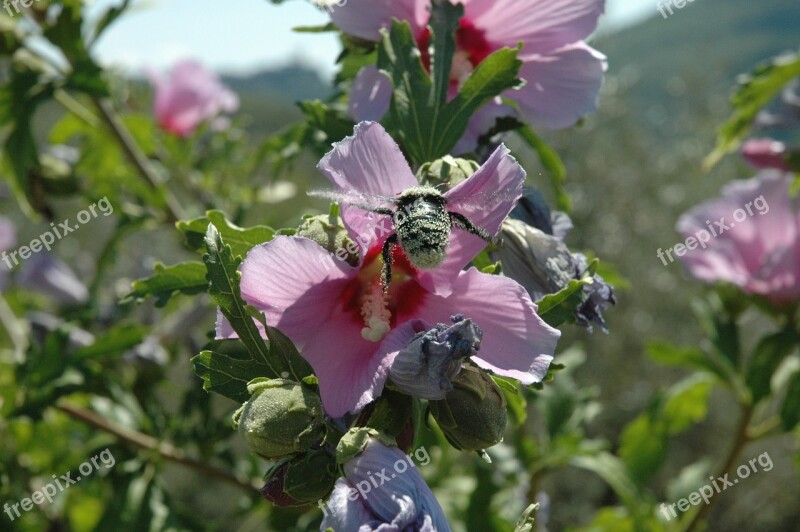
765 153
190 96
338 315
757 246
563 75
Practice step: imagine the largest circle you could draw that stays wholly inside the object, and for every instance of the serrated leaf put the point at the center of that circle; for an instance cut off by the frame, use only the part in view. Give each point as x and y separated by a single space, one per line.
559 308
186 278
754 93
427 124
281 357
768 355
241 240
226 368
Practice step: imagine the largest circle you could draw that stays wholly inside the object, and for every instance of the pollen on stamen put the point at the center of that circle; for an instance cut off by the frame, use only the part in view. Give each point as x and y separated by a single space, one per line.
376 314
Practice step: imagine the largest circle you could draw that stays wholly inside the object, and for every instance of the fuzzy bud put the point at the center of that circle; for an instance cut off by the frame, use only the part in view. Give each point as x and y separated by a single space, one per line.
473 415
281 418
328 231
448 171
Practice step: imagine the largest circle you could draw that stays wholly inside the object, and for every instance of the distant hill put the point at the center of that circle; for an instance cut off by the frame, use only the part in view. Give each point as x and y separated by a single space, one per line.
705 44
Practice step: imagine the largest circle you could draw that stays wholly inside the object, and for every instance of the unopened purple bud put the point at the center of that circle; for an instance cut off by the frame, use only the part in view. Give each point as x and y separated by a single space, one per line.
427 366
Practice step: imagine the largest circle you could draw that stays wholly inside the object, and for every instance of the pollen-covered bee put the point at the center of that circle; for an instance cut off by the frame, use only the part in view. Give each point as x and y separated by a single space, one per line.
422 225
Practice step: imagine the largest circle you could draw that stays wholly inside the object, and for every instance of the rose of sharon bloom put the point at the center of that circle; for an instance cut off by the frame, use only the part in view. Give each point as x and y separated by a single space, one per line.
190 96
563 75
765 153
760 254
404 502
338 315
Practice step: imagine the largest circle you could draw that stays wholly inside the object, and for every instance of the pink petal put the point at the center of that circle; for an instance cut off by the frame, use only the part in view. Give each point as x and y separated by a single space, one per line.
542 25
369 163
295 282
516 342
364 18
561 87
351 370
486 199
371 95
760 251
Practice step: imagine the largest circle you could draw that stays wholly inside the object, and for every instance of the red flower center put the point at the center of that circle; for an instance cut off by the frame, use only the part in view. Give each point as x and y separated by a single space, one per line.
378 312
471 48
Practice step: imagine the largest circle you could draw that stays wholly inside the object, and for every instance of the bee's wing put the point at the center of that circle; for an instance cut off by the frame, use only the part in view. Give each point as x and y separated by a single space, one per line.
483 200
361 200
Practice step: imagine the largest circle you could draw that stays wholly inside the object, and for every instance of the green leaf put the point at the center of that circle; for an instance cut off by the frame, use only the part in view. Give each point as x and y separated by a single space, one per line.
768 355
281 357
226 368
552 163
186 278
560 307
515 400
334 125
643 447
239 239
790 410
689 357
754 92
114 342
428 126
612 470
687 403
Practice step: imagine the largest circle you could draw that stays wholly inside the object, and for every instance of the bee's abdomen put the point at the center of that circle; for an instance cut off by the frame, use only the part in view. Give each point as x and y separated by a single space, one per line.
424 238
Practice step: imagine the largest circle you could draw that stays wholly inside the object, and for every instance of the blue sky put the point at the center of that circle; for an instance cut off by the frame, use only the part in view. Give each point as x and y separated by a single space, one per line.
246 35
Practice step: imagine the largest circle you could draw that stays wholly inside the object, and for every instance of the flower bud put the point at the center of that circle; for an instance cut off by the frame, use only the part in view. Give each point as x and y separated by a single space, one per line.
328 231
473 415
281 418
426 367
448 171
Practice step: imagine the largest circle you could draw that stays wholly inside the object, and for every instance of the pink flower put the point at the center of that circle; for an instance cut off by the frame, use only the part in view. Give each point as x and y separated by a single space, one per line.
338 315
189 97
765 153
757 246
563 75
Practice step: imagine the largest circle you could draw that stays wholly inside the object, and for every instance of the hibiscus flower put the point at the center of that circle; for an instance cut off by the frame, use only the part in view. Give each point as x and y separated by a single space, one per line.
563 74
343 322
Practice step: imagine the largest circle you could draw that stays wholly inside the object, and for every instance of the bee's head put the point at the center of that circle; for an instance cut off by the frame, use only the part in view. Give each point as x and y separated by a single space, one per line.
414 194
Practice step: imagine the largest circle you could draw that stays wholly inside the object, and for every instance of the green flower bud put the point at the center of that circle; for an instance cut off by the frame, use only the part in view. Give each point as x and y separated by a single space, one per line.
356 439
280 418
327 231
446 171
473 415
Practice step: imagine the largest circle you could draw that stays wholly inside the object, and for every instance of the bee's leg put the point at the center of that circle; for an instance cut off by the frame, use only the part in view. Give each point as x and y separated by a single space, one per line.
386 253
462 222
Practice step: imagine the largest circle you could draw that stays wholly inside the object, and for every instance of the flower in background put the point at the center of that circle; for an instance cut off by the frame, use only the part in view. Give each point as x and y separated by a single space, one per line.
761 253
534 254
47 274
339 316
765 153
563 75
403 502
190 96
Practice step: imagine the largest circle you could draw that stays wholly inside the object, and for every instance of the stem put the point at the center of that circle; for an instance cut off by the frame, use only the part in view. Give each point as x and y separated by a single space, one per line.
164 449
136 157
16 329
742 439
